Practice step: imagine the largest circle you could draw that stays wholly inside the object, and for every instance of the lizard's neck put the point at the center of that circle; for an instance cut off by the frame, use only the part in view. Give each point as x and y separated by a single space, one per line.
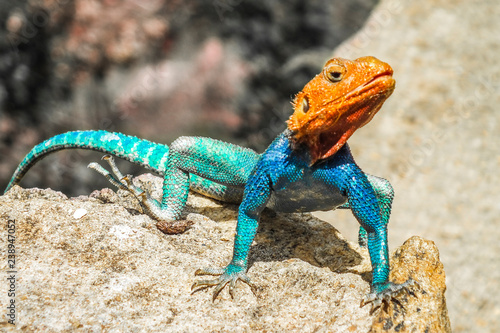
299 148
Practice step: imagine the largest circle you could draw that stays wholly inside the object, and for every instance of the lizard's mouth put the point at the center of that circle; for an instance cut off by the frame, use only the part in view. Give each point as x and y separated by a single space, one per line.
382 79
384 82
384 75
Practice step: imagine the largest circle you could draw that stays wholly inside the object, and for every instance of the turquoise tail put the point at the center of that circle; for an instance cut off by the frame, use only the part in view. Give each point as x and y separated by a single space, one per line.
150 155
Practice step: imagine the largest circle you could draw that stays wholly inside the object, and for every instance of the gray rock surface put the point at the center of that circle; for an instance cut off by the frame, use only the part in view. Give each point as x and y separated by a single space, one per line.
95 263
437 140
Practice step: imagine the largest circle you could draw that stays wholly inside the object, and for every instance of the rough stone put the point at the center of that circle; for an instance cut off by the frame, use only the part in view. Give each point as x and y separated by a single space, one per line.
111 269
418 315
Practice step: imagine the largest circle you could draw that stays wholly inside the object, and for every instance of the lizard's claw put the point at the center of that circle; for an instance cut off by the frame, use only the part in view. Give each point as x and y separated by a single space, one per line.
385 292
168 223
230 274
117 178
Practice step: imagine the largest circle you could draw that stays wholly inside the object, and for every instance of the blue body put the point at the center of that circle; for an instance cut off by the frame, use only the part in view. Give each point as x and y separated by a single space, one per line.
297 187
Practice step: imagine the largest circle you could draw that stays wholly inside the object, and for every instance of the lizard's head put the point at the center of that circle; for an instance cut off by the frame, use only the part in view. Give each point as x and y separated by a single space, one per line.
342 98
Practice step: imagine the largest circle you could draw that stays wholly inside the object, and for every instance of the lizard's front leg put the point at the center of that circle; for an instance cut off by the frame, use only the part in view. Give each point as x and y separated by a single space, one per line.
257 193
385 195
373 218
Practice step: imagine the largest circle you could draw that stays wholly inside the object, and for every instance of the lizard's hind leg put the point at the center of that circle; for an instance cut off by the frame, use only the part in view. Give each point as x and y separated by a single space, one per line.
208 188
215 168
149 204
117 179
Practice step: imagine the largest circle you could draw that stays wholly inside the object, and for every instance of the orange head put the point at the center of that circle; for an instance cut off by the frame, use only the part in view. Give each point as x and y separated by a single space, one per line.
343 97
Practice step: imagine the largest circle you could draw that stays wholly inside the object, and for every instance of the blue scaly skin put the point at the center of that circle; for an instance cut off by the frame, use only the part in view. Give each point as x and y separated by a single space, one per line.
308 167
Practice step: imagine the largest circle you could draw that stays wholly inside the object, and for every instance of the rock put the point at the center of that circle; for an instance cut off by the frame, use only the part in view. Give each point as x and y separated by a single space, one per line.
418 258
111 269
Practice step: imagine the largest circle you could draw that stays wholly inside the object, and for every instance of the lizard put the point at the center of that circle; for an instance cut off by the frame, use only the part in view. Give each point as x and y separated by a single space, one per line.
308 167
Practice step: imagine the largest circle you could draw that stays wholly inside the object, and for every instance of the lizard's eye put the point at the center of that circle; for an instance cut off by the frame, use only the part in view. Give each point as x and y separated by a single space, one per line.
334 73
305 104
334 76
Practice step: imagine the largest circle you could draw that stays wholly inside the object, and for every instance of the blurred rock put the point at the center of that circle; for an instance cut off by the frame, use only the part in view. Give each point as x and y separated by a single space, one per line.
23 57
111 269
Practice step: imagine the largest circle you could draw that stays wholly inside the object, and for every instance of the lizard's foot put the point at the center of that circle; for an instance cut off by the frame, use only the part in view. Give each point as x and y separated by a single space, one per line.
166 222
385 292
117 179
231 274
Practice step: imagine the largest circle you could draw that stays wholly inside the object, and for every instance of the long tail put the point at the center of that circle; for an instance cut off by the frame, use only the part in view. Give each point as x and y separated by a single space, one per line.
148 154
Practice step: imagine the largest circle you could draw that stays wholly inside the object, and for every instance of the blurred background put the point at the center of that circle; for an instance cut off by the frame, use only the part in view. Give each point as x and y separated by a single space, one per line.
228 69
156 69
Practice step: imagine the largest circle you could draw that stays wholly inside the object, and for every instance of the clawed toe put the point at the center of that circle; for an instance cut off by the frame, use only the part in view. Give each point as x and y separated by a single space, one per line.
125 183
221 282
209 271
203 284
107 174
219 287
386 293
167 218
117 178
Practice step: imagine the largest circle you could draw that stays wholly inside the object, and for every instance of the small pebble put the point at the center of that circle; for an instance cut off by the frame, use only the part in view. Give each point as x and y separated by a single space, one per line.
79 213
